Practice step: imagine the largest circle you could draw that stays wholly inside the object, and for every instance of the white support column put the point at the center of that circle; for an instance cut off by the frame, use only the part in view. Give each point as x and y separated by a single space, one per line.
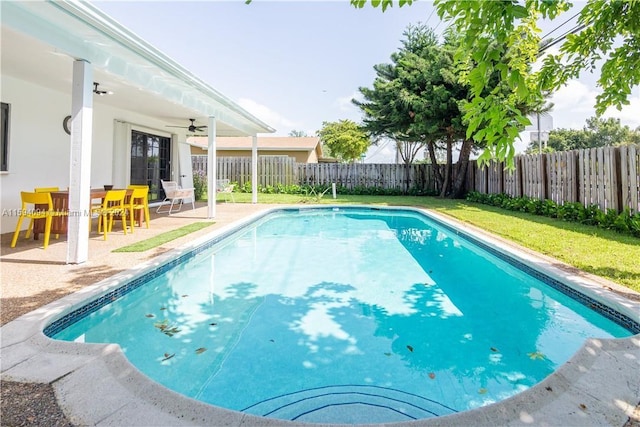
212 169
254 170
80 163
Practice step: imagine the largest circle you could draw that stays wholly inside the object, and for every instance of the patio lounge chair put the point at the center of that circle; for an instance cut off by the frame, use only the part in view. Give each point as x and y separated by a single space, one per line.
224 187
173 193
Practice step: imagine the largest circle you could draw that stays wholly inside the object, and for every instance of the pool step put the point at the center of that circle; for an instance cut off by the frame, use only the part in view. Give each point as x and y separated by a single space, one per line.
349 404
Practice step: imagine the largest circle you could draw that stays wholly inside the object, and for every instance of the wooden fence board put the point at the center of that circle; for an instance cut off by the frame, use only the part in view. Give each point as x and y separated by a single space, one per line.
630 178
608 177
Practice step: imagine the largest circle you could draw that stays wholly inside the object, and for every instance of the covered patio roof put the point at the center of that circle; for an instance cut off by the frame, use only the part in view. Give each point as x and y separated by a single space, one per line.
42 39
66 46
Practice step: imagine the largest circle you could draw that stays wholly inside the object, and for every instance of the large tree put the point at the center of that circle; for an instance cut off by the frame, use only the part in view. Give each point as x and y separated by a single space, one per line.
345 139
297 133
415 101
597 132
503 37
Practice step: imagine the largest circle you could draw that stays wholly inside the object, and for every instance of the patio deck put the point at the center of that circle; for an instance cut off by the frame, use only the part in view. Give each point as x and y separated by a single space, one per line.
32 276
600 385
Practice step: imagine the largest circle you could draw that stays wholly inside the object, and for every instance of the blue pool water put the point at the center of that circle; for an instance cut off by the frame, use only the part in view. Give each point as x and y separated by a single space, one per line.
345 316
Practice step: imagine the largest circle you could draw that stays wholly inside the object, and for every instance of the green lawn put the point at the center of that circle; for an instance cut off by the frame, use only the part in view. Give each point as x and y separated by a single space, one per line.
153 242
601 252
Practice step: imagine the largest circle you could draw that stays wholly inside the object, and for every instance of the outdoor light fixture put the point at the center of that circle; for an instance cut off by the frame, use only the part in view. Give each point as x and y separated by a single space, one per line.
100 92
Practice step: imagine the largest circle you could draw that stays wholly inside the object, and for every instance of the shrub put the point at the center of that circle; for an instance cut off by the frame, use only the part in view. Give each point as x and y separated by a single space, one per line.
199 184
572 212
634 224
623 222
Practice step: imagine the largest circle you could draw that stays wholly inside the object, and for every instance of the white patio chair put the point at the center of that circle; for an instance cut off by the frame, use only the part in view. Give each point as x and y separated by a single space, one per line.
223 186
174 193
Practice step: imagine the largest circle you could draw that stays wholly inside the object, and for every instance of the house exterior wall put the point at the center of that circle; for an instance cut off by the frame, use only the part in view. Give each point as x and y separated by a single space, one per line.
300 156
197 151
39 146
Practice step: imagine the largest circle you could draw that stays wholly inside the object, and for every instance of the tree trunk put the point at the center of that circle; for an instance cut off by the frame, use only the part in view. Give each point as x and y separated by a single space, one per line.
461 170
446 187
434 163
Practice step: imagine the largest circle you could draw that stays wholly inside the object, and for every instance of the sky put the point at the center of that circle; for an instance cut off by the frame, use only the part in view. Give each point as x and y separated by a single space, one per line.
297 64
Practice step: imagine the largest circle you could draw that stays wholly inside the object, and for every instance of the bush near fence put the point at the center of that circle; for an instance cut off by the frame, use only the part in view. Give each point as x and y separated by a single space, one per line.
353 178
623 222
606 177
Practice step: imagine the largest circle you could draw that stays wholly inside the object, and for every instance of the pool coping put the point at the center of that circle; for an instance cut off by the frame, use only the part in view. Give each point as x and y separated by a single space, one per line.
96 385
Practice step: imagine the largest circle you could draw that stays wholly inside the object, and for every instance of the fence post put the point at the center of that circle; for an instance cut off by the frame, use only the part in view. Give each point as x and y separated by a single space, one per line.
544 191
616 178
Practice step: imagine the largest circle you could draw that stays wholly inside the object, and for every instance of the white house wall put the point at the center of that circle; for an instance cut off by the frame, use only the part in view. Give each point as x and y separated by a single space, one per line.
39 146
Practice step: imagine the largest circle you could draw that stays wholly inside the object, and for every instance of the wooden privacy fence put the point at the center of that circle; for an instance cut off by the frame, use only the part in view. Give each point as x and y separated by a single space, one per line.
351 175
608 177
274 170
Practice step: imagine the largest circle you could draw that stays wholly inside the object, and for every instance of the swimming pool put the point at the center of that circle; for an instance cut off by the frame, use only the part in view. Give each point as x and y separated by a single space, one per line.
326 318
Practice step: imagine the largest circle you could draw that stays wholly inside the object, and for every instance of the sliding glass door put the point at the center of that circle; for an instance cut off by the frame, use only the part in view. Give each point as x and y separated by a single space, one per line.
150 162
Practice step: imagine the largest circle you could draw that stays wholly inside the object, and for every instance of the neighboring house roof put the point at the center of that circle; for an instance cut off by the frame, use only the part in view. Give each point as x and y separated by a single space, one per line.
265 143
142 78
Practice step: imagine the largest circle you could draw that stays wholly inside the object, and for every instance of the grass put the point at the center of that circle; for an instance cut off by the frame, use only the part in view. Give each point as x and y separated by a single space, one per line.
604 253
160 239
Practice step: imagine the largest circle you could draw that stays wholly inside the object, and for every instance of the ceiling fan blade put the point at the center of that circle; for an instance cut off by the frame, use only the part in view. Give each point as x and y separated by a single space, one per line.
181 127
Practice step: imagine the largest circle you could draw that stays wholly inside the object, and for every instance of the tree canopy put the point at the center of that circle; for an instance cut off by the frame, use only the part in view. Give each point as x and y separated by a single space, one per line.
503 38
345 139
415 102
297 133
597 132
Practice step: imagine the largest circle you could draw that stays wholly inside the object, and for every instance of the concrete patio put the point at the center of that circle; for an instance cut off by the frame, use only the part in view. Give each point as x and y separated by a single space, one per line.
32 276
95 384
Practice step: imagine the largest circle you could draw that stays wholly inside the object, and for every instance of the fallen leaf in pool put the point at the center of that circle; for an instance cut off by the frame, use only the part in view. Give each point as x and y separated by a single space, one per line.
163 308
583 406
200 350
482 391
387 354
168 356
432 375
149 315
185 295
166 328
536 355
495 350
212 324
410 348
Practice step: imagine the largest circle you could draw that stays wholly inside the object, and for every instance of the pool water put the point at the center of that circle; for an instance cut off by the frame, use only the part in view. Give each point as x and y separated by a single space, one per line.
345 316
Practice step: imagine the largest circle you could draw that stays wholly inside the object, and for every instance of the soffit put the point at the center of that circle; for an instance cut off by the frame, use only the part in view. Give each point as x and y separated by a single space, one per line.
41 40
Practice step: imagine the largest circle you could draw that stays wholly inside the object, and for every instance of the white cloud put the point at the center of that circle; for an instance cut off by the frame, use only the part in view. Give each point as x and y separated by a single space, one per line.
384 152
344 103
574 104
630 114
282 125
